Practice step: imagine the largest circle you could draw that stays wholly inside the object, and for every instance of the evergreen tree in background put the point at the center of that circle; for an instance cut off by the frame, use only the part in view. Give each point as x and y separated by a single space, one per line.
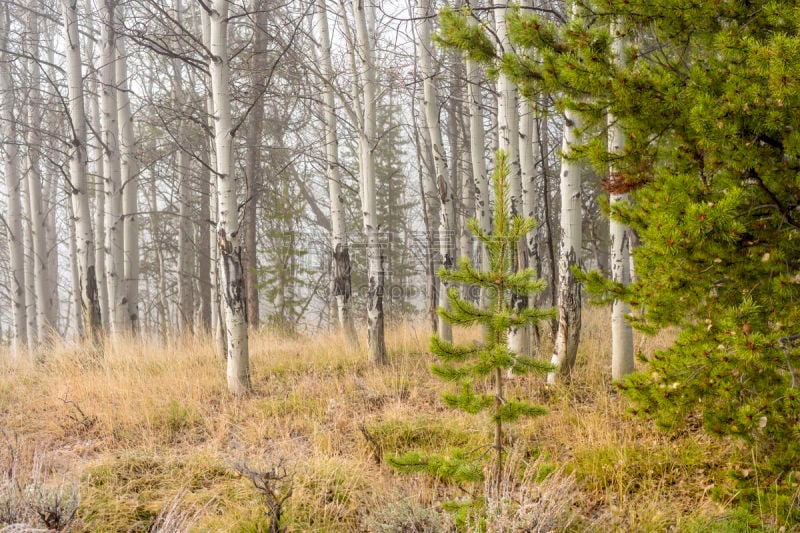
477 368
394 215
285 271
394 211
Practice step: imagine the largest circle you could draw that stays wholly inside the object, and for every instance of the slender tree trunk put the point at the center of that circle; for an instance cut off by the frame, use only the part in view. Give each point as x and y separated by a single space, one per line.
432 208
99 198
230 251
340 253
35 187
75 299
111 165
621 331
12 179
367 143
444 189
479 175
205 267
253 171
90 308
569 293
430 217
27 246
544 147
217 311
129 170
529 152
186 253
508 141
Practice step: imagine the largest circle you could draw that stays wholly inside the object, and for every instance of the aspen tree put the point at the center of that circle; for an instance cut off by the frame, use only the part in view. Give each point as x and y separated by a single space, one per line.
340 253
129 173
12 179
78 189
621 331
444 188
111 166
35 187
366 144
230 251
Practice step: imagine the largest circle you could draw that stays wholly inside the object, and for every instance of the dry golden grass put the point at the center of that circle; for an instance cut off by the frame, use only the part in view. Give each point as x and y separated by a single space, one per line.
149 431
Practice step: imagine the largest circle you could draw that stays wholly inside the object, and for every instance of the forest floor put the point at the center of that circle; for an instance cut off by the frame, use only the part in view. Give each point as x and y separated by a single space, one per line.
147 439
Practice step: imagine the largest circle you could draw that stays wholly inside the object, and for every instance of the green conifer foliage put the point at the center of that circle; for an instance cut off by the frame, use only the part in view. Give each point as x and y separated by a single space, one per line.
475 367
709 100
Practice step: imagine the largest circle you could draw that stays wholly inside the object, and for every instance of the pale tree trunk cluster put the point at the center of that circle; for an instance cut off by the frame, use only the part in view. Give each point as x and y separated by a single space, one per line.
310 214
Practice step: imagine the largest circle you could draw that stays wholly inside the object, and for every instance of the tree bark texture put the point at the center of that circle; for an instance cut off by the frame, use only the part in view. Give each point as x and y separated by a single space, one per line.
230 250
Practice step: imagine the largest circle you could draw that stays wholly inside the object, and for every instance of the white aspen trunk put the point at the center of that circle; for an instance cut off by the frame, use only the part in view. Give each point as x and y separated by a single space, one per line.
185 200
468 188
53 122
53 301
163 322
13 182
479 175
340 254
431 218
446 236
367 142
621 331
529 151
217 312
111 166
565 347
90 308
35 188
99 198
205 267
230 251
27 244
129 171
75 294
508 141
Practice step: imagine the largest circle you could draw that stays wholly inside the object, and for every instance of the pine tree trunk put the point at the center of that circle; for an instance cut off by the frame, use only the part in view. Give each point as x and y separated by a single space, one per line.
230 251
367 142
446 235
569 294
340 254
621 331
90 308
12 180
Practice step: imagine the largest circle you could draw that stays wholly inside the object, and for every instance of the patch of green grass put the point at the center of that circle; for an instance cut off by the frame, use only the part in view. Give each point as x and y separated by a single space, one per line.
127 492
627 469
424 433
291 405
